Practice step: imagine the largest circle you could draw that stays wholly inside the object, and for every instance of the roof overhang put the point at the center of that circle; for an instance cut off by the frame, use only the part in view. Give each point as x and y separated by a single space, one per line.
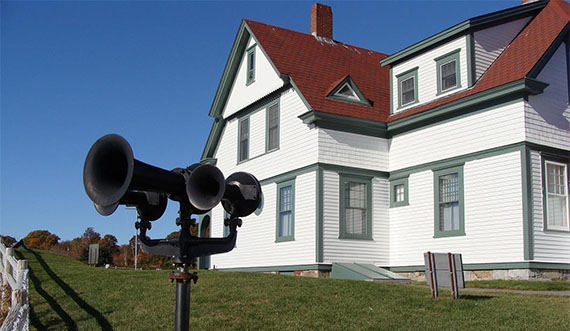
463 27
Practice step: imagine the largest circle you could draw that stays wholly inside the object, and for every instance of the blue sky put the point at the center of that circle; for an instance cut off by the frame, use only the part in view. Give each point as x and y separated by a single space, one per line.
71 72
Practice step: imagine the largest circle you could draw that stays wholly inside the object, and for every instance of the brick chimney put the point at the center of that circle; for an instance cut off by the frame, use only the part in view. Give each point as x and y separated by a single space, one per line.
321 21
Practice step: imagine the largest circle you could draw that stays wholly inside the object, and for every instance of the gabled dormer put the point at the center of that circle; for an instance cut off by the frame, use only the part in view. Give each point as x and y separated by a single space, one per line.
348 91
454 59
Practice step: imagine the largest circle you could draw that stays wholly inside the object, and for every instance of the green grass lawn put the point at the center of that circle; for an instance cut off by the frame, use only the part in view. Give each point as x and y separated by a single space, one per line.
68 295
555 285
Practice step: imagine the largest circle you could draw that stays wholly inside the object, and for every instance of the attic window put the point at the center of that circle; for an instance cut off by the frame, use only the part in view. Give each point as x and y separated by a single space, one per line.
348 91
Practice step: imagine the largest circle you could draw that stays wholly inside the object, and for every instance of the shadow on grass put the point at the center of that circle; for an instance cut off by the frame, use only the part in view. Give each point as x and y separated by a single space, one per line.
476 297
71 325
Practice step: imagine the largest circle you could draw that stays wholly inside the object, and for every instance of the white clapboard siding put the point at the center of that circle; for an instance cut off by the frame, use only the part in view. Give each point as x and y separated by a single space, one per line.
266 81
547 115
297 142
489 43
352 250
493 215
549 246
256 246
353 150
500 126
427 72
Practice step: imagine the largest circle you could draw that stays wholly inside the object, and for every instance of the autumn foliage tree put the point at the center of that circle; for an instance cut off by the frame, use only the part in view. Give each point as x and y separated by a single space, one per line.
41 239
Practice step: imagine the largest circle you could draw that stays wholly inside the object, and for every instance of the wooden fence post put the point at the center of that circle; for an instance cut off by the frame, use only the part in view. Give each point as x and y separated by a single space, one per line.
19 295
5 275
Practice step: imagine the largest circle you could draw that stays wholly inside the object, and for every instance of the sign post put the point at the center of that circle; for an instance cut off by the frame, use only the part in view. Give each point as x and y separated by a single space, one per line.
444 270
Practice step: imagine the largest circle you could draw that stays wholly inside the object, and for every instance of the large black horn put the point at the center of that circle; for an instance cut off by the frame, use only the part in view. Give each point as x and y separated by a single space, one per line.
205 186
111 170
150 205
242 195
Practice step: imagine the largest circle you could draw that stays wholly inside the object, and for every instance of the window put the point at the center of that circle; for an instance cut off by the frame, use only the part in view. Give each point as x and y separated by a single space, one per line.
250 65
285 211
408 87
448 71
243 153
449 209
272 125
226 227
399 192
347 91
556 196
355 215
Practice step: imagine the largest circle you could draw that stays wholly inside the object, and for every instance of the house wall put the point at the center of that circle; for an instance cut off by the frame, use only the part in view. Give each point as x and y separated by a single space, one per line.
353 250
266 81
499 126
353 150
549 246
298 143
489 43
493 215
427 73
256 244
547 115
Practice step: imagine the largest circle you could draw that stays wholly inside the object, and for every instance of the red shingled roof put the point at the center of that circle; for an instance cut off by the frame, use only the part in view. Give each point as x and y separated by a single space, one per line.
314 66
519 57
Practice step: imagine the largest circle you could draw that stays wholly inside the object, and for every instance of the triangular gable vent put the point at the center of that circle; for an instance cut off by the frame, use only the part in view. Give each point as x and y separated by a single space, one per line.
348 91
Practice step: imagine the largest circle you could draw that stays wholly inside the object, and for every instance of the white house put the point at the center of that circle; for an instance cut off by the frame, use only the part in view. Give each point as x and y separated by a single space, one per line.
460 142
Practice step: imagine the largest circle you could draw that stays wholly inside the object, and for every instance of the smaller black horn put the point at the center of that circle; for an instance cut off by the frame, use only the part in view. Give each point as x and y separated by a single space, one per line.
242 195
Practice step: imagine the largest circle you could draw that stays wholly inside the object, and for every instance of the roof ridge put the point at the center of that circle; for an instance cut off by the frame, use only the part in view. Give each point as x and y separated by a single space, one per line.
310 35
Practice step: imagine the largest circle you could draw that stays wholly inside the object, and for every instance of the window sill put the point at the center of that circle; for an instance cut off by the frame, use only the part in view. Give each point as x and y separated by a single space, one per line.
449 234
284 239
399 204
404 107
355 238
440 93
556 230
257 156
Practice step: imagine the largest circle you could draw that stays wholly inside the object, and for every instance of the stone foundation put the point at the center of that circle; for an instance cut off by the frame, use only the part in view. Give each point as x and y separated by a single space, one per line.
506 274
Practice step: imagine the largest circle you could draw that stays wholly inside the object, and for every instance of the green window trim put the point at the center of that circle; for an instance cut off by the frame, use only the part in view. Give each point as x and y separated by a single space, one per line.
243 149
344 179
394 184
402 77
461 202
291 236
448 59
268 143
250 69
559 162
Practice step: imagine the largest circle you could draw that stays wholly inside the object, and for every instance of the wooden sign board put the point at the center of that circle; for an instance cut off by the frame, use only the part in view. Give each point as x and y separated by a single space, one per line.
444 270
93 254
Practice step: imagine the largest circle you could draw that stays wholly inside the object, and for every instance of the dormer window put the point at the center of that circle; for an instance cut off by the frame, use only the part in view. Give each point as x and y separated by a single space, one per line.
448 72
407 87
250 65
348 91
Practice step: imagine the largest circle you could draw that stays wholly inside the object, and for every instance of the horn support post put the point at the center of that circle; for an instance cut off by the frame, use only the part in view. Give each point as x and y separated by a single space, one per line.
113 177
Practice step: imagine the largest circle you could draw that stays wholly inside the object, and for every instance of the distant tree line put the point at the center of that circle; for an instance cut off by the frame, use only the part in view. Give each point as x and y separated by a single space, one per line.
109 251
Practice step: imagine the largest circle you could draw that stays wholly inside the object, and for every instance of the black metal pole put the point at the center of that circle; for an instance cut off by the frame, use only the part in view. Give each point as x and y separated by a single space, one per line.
182 309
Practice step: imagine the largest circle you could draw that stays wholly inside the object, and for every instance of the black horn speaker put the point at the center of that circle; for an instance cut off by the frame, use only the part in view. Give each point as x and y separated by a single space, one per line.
242 194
